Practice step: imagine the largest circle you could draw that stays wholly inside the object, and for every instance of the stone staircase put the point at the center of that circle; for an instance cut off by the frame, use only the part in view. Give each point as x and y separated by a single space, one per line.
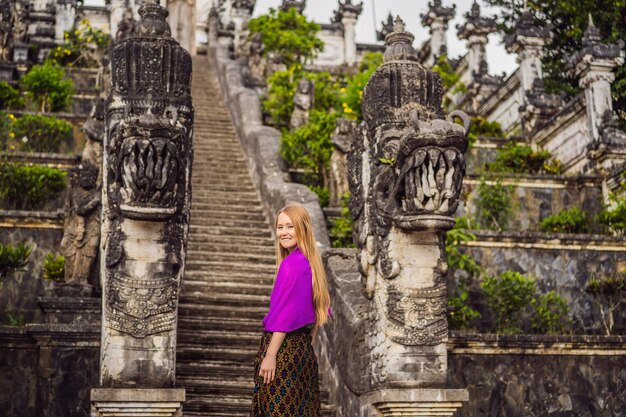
230 266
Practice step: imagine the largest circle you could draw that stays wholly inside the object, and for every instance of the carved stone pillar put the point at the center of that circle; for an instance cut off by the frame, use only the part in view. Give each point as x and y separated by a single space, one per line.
594 66
406 172
347 15
528 41
65 16
298 4
181 18
116 15
475 31
436 19
146 195
240 15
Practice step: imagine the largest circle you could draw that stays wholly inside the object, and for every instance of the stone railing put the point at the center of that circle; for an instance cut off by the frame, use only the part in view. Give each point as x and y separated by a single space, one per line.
260 144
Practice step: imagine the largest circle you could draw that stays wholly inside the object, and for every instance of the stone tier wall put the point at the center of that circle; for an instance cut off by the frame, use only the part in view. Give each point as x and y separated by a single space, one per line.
260 145
513 375
48 369
534 197
560 262
44 231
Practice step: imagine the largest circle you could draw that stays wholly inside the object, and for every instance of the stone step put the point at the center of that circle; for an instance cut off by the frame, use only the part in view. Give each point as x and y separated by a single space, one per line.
235 206
244 312
267 250
235 257
234 232
230 214
221 323
230 223
227 299
186 354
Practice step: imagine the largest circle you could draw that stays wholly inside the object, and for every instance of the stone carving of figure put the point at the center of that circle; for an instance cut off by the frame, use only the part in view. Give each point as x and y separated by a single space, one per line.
125 27
81 237
256 61
342 139
7 19
303 100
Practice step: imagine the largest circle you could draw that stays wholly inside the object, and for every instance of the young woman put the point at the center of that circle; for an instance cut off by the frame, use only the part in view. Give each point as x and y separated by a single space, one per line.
286 375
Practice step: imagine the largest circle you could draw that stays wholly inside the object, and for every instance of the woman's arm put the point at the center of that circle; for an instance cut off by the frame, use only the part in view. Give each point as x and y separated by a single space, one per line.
268 366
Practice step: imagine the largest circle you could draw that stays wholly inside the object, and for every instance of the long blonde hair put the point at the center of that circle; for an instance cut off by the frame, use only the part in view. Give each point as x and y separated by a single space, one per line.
303 227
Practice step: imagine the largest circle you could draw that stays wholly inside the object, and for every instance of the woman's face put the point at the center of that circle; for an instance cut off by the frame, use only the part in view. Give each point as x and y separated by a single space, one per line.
286 233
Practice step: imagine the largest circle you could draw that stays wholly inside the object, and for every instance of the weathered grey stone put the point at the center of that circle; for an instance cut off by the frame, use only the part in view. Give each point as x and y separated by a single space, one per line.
342 139
146 197
137 402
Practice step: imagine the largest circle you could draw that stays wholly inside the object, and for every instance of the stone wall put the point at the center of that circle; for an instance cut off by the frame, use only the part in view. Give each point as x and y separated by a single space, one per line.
535 197
559 262
532 376
260 145
48 370
44 231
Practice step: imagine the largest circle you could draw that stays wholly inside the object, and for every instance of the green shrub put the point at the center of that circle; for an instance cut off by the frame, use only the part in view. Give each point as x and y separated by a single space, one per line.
287 35
551 314
450 79
479 126
454 238
493 205
323 194
10 98
54 267
508 296
47 87
29 187
341 230
39 133
613 215
6 136
309 147
13 258
281 87
14 319
609 292
460 313
352 93
572 220
513 157
82 47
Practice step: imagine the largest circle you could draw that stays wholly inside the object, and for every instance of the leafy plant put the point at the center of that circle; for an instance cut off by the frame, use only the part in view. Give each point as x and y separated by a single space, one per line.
460 313
309 147
14 319
6 122
54 267
609 292
323 194
13 258
281 87
551 314
82 47
508 296
454 239
450 79
613 215
493 205
341 230
352 93
518 158
287 35
572 220
39 133
10 98
479 126
29 186
47 87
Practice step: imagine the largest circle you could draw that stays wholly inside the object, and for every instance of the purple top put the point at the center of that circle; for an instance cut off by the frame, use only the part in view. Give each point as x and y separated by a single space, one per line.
291 302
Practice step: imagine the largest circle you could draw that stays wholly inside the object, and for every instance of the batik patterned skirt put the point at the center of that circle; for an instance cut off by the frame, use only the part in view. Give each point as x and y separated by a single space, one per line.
295 388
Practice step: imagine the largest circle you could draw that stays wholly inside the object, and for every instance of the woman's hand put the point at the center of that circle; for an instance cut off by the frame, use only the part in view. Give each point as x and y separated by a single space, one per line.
268 368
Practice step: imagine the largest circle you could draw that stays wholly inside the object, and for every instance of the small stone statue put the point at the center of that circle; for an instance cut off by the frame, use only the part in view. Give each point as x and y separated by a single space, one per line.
256 61
125 27
303 100
81 237
7 14
342 139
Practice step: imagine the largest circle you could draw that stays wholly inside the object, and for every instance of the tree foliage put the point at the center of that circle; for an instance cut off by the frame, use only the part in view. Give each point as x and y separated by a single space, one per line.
13 258
569 20
83 47
47 87
287 35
